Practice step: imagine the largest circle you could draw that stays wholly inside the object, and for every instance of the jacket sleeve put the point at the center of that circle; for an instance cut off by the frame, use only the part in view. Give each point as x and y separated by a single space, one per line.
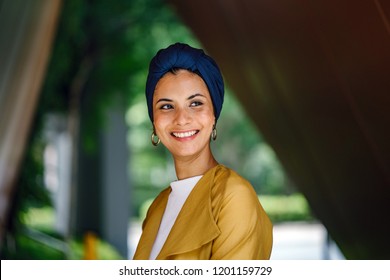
246 231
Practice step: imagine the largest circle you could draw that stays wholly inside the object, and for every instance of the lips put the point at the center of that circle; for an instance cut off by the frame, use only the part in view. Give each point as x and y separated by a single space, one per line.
184 134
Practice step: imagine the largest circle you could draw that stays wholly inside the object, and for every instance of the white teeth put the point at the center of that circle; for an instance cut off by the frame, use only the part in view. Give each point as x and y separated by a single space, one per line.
184 134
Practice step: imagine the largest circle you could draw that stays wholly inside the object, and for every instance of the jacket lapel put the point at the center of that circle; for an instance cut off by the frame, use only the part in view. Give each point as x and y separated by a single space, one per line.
195 224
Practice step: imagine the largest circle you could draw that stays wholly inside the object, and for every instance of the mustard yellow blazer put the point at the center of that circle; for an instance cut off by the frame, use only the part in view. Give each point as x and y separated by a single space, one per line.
222 219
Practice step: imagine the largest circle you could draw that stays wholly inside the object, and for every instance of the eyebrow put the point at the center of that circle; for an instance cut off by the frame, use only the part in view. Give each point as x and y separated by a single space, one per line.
189 98
164 100
195 95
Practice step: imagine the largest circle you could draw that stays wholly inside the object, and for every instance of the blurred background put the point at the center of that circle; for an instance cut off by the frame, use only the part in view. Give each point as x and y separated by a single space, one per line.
305 120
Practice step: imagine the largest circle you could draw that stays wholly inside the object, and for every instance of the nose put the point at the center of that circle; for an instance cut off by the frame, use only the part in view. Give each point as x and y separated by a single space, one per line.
182 116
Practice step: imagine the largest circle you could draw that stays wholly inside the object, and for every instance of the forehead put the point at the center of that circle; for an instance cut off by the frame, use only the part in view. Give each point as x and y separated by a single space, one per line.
182 82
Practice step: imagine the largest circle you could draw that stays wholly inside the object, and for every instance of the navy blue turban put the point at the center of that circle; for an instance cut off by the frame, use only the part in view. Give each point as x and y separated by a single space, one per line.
182 56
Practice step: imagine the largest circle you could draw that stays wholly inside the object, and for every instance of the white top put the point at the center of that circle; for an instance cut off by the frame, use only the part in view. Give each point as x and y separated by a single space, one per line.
180 191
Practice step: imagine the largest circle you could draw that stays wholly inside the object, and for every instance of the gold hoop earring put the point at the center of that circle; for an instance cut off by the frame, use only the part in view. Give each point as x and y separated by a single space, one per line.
153 139
214 133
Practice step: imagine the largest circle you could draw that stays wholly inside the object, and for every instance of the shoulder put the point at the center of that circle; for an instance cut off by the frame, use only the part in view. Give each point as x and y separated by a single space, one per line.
225 173
230 188
231 182
235 201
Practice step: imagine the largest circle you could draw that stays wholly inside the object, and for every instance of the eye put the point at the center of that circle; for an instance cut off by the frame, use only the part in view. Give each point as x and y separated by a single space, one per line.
196 104
166 107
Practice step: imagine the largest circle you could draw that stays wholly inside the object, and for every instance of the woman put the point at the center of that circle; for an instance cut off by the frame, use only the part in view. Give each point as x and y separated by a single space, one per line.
210 212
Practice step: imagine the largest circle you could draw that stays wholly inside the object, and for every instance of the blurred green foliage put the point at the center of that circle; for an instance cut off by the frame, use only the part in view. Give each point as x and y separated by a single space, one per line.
38 241
28 248
286 208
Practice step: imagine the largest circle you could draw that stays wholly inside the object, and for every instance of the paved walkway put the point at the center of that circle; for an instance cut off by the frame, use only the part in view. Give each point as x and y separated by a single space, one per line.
303 241
292 241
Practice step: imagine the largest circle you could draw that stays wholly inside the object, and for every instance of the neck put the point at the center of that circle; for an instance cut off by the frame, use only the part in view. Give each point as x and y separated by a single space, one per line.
186 168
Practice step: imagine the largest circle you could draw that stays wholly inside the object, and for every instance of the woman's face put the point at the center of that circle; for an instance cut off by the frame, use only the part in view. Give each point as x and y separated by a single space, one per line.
183 114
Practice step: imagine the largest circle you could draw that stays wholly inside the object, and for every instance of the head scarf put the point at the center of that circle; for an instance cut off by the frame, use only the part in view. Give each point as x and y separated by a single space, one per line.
183 56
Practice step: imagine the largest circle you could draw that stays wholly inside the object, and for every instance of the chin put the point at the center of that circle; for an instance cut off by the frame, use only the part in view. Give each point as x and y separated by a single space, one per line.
184 153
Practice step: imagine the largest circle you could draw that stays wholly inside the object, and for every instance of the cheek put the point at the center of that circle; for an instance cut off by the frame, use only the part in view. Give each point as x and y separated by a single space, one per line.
208 117
159 123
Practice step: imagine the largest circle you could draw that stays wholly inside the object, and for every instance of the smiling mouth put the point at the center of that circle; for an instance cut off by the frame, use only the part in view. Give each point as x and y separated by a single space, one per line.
184 134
